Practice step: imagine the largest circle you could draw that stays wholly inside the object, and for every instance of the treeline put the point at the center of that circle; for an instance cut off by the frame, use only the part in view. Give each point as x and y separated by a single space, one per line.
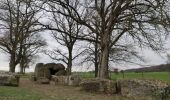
158 68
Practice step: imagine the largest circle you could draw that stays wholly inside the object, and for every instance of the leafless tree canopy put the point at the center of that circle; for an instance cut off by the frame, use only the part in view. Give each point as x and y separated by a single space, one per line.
143 21
63 31
115 28
18 25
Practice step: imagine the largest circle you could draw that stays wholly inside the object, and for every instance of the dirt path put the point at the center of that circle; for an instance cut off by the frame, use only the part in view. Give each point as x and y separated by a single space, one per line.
58 92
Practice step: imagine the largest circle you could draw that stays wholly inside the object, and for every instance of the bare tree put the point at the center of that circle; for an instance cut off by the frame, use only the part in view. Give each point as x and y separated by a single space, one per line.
119 54
125 54
17 23
63 30
31 50
90 56
144 22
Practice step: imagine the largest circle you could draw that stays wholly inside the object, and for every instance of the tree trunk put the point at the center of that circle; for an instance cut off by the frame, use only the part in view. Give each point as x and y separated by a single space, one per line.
69 65
12 64
96 57
24 70
22 66
103 67
12 68
104 57
96 69
21 69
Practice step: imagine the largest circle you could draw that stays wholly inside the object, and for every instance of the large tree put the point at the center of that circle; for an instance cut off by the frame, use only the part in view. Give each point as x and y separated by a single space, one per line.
30 50
142 21
63 30
17 23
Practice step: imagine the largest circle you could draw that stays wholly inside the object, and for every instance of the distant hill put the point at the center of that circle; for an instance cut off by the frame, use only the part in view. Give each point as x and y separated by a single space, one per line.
158 68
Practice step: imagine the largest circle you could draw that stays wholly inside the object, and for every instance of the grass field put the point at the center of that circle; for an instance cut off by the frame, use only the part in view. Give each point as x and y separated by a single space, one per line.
14 93
163 76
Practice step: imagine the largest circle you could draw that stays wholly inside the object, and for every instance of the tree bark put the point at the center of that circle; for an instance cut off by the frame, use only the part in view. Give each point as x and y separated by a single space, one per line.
21 69
96 57
69 65
22 65
12 64
24 70
96 69
12 68
104 57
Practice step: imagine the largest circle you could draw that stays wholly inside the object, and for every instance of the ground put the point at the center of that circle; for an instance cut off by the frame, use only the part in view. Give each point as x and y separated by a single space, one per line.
32 91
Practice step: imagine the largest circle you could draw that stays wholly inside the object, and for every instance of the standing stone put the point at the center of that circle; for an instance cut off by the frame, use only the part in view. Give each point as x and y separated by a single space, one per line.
73 80
39 70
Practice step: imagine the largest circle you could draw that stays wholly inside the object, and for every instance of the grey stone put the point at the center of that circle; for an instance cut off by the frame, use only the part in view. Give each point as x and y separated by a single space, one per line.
43 80
72 80
9 79
139 87
49 69
99 85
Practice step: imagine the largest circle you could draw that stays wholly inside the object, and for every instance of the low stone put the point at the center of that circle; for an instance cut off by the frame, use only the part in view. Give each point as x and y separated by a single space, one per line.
33 78
99 85
43 80
72 80
90 86
59 80
61 73
139 87
9 79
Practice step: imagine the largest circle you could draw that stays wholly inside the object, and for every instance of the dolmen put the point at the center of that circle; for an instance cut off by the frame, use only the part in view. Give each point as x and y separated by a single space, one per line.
43 72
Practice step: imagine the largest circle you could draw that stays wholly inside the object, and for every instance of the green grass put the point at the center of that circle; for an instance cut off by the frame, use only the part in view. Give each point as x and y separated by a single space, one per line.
15 93
163 76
